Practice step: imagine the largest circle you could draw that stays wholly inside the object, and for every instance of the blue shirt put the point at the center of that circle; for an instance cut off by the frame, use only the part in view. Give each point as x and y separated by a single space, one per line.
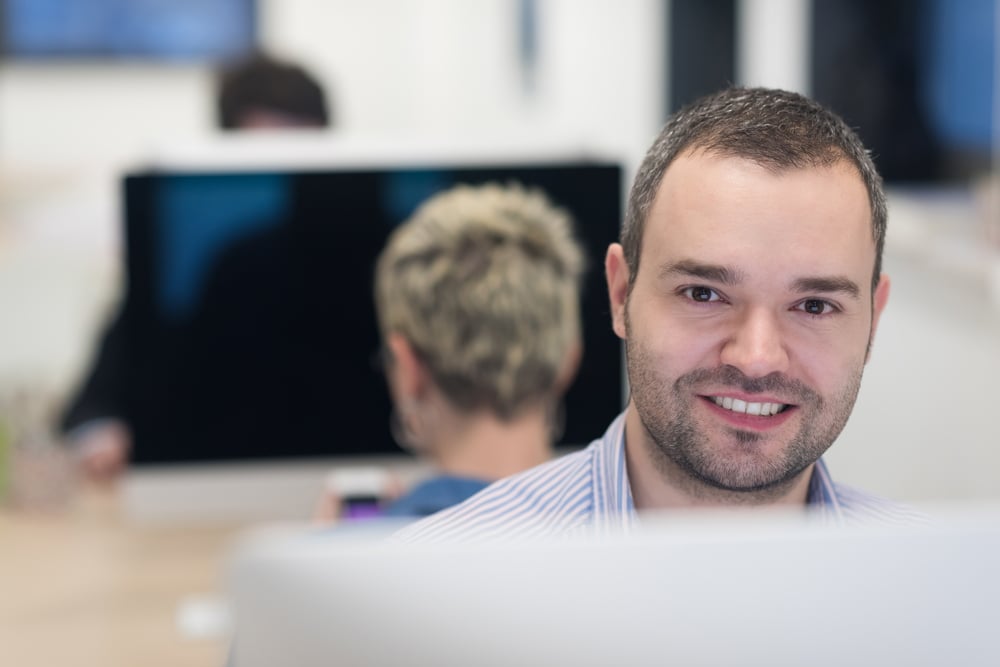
434 495
589 491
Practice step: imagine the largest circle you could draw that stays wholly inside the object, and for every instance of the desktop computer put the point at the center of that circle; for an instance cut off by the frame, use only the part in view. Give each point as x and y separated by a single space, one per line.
765 588
251 344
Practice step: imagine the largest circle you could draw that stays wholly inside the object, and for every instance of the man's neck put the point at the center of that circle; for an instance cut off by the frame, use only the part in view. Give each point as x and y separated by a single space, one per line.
482 446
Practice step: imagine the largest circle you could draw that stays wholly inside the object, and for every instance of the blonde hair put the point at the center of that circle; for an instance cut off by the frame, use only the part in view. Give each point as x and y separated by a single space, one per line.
484 282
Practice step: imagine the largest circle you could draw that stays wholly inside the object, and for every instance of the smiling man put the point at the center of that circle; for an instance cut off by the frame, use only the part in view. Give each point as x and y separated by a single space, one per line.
747 288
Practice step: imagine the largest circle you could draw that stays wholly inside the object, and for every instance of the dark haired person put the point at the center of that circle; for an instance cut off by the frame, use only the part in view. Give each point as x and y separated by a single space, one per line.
264 92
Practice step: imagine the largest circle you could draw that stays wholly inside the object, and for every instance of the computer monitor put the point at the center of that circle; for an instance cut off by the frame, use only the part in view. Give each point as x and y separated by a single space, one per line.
249 317
700 589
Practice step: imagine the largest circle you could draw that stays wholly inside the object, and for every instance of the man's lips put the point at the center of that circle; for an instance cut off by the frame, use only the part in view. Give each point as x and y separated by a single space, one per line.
744 406
760 413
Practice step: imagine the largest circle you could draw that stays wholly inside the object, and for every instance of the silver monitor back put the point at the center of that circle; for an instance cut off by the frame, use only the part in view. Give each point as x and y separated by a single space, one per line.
682 590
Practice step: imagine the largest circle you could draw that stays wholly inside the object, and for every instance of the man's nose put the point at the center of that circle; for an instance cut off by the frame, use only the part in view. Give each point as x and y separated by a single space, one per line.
756 345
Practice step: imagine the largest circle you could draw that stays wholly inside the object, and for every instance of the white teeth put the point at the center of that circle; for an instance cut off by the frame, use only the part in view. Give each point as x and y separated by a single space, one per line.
736 405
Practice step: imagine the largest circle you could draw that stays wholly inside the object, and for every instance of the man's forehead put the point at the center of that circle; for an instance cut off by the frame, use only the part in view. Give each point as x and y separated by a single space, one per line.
728 211
701 176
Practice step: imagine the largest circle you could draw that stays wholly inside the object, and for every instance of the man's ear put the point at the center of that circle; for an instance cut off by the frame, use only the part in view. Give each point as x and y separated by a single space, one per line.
407 374
616 273
879 299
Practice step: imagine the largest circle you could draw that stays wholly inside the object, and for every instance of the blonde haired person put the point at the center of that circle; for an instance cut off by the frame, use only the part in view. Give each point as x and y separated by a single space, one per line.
477 297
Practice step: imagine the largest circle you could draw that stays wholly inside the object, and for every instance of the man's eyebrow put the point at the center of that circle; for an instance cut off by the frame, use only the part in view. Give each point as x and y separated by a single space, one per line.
827 284
711 272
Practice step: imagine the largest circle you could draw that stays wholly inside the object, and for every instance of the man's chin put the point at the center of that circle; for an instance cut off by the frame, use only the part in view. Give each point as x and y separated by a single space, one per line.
749 477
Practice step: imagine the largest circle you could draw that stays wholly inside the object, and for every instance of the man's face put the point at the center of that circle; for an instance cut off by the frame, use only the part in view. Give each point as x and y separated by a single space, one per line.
749 322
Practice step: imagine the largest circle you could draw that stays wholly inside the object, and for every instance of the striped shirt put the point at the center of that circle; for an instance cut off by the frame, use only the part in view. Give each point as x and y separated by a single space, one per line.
589 491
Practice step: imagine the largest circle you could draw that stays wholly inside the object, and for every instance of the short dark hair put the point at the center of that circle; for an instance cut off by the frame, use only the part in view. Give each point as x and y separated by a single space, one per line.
775 128
263 83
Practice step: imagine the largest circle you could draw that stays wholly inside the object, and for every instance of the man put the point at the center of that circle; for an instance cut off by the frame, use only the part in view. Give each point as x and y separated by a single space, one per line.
261 92
747 288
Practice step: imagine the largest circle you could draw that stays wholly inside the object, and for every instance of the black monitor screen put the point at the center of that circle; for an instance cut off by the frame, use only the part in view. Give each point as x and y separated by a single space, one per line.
249 312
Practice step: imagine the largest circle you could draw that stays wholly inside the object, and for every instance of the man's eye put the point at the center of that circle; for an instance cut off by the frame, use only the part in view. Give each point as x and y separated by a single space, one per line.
816 307
702 294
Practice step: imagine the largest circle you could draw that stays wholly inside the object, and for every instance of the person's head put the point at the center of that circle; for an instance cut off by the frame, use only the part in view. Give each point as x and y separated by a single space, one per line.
747 288
261 92
480 290
776 129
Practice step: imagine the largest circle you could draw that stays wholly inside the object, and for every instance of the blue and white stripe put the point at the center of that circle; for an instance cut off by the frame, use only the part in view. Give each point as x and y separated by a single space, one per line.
589 491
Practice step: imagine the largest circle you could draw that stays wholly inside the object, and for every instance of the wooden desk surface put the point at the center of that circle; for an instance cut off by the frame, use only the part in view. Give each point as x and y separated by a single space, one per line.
82 586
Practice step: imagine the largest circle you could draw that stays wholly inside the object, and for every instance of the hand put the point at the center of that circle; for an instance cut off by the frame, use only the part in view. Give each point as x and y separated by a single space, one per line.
344 483
328 507
103 450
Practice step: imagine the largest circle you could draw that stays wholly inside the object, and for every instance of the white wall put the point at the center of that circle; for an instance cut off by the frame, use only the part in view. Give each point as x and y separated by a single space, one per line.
773 44
925 426
391 66
400 66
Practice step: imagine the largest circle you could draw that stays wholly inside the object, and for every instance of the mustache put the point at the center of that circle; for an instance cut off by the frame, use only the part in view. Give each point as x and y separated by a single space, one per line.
734 377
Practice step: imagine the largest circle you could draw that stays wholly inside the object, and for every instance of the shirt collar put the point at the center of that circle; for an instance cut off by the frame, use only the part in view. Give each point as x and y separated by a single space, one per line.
612 491
822 495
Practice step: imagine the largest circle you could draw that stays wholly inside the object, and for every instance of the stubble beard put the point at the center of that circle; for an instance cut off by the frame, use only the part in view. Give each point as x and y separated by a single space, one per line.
684 452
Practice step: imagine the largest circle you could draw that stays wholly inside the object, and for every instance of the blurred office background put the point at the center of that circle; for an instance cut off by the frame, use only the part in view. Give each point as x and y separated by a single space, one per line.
919 79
